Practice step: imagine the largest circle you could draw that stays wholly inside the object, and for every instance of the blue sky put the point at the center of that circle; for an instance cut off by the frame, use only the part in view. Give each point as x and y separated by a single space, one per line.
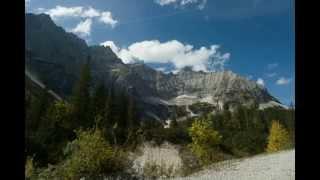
253 38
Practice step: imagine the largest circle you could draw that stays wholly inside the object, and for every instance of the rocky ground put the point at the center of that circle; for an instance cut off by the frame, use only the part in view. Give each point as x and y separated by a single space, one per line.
158 161
277 166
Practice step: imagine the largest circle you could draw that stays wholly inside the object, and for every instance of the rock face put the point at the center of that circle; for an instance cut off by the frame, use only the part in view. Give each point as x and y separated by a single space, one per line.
188 87
55 56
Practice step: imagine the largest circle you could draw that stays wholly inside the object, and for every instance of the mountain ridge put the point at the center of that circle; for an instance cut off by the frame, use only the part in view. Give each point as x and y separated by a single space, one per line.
155 90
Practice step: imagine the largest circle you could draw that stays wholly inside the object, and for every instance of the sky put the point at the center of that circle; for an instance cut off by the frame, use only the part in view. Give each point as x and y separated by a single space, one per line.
253 38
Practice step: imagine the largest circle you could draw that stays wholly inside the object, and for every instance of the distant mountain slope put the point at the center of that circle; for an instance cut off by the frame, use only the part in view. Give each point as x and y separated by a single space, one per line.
34 87
56 56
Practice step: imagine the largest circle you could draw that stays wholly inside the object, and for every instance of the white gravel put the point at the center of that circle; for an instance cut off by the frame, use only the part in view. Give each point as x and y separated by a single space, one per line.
165 156
277 166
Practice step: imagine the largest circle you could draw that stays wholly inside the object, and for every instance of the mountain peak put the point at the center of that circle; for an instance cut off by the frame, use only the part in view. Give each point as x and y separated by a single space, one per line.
65 53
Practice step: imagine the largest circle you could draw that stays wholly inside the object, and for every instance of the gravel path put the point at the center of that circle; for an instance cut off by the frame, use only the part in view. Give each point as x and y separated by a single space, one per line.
277 166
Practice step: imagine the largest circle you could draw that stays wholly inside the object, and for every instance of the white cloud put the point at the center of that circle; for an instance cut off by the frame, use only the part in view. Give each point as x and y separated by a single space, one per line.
111 44
60 11
161 69
260 82
202 5
26 5
83 28
272 66
175 52
106 17
165 2
283 81
182 3
270 75
90 12
185 2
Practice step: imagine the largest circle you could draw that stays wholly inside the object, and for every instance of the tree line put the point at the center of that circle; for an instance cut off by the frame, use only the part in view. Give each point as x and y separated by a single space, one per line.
50 125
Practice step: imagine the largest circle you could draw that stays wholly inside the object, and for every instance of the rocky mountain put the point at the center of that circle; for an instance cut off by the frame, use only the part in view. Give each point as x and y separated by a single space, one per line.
55 56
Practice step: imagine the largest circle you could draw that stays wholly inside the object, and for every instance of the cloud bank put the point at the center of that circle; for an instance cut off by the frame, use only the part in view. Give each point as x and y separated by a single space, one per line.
175 52
83 28
89 13
283 81
182 3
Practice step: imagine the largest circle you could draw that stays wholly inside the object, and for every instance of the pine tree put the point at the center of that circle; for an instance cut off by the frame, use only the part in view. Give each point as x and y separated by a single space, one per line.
174 123
131 126
130 113
108 109
278 138
99 100
38 108
81 98
114 114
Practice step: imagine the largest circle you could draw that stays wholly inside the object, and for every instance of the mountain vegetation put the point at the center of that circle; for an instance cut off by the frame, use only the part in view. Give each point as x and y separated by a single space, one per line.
105 128
109 109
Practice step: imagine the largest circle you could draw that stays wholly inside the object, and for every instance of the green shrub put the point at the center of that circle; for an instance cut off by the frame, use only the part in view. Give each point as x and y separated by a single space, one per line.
205 140
53 134
154 170
29 168
90 155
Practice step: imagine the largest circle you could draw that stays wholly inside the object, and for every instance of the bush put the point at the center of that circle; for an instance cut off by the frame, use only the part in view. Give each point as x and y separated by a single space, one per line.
29 168
53 134
154 170
190 163
278 138
90 155
205 140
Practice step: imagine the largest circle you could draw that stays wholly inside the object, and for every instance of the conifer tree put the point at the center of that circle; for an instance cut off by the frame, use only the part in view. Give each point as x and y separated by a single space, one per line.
81 97
38 108
174 123
130 113
99 100
130 117
278 138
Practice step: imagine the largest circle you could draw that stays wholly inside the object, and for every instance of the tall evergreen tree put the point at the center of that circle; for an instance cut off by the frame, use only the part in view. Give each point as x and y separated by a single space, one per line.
38 108
81 97
99 100
174 123
130 113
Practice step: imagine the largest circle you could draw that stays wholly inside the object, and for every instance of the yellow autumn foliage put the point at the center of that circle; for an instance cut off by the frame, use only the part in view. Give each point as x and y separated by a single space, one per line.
204 140
278 138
